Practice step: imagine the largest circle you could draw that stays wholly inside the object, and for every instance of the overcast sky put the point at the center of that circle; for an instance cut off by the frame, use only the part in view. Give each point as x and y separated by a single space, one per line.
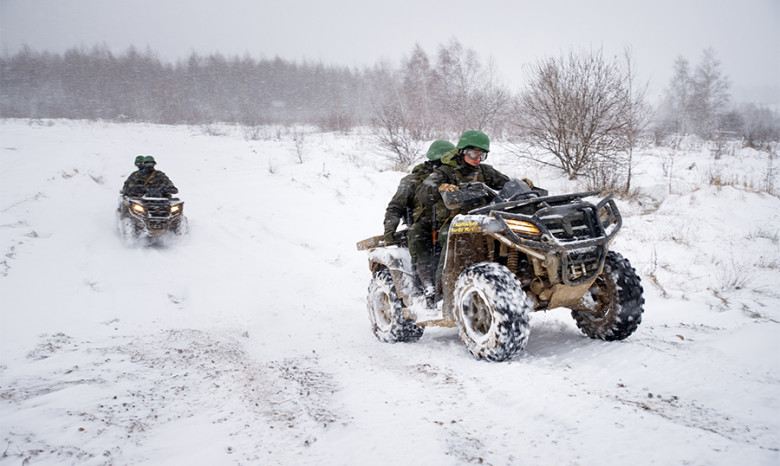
745 34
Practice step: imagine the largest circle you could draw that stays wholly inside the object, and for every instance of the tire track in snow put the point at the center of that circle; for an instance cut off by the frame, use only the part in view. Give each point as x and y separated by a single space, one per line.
136 386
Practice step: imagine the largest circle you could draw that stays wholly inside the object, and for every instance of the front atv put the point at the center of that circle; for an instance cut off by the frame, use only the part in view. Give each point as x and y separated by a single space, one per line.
524 251
150 214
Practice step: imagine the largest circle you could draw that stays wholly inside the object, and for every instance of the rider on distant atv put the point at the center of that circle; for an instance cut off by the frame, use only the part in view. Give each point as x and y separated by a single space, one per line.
147 177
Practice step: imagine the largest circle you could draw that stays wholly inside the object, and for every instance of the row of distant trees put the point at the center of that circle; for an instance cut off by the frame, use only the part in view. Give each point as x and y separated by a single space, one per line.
587 110
137 86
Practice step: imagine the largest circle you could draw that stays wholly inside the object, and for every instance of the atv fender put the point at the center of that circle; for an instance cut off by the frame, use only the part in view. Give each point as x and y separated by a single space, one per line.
399 262
465 247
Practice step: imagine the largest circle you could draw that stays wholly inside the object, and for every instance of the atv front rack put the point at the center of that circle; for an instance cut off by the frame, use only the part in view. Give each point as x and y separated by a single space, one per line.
576 232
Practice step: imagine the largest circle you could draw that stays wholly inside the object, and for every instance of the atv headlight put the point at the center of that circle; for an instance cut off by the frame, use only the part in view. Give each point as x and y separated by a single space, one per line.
175 208
138 208
520 226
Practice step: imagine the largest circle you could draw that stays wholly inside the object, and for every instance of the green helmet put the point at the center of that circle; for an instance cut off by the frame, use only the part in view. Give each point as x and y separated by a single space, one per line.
474 138
139 160
149 158
438 148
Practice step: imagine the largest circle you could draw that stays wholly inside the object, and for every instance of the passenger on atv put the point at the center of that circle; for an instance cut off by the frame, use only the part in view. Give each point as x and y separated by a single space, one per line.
405 207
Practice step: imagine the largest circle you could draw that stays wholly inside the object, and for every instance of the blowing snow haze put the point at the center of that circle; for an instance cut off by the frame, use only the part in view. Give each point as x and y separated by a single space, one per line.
745 35
246 339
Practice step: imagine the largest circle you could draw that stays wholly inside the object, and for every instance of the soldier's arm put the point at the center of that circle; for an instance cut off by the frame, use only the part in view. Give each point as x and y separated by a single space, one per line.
170 188
396 208
494 178
129 183
428 191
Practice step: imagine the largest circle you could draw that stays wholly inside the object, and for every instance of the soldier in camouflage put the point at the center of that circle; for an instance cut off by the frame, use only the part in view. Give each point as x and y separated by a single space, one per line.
460 165
404 206
147 177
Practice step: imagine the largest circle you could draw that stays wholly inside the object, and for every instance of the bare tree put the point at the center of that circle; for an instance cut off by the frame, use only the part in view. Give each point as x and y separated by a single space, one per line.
675 108
418 81
396 135
421 101
761 125
637 113
469 95
770 169
710 97
577 107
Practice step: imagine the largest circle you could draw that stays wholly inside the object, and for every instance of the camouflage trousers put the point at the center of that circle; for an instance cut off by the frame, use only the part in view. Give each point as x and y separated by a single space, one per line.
421 246
443 234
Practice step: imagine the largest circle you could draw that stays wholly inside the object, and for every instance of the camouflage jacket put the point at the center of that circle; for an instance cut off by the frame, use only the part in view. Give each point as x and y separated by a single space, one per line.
455 171
404 205
155 179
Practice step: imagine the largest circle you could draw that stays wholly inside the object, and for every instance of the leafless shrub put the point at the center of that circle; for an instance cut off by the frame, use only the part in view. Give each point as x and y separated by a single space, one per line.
769 263
734 275
652 274
585 111
213 129
765 232
299 139
396 136
606 174
341 122
770 169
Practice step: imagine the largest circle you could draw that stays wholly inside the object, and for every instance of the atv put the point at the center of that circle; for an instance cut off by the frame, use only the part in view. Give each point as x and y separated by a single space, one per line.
510 253
150 213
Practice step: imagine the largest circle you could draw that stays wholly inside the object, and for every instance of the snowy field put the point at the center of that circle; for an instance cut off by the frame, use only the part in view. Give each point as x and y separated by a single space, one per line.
248 341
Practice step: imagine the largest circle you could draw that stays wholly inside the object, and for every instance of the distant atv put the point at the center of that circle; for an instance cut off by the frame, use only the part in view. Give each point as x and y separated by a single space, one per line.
150 213
524 251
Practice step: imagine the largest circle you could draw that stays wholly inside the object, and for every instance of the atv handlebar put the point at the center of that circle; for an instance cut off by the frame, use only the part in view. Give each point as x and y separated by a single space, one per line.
143 191
474 192
478 185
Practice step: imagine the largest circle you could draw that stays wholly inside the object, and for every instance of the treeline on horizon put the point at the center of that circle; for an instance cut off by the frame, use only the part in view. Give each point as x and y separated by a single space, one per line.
138 86
436 96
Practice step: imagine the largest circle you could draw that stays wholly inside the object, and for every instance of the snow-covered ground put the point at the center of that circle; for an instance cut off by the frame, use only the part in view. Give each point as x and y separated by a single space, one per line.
248 342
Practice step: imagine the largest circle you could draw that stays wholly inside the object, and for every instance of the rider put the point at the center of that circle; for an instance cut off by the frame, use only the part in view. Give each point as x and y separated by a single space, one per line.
460 165
148 177
404 206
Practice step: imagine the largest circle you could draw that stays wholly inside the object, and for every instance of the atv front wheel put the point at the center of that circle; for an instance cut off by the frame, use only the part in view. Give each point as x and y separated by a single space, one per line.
181 226
491 310
129 231
612 308
385 311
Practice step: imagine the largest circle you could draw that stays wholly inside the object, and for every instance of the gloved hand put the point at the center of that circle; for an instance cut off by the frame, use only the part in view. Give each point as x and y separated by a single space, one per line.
168 191
447 188
389 238
528 182
136 191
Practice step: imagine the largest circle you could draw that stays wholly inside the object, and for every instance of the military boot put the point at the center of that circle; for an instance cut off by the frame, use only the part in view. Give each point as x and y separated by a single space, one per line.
425 272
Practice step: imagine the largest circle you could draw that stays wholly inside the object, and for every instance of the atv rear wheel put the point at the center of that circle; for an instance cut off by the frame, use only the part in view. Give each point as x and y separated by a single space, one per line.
612 308
491 310
385 311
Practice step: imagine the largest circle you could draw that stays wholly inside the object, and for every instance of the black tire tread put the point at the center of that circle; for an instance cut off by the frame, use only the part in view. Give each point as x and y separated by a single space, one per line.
626 310
402 330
